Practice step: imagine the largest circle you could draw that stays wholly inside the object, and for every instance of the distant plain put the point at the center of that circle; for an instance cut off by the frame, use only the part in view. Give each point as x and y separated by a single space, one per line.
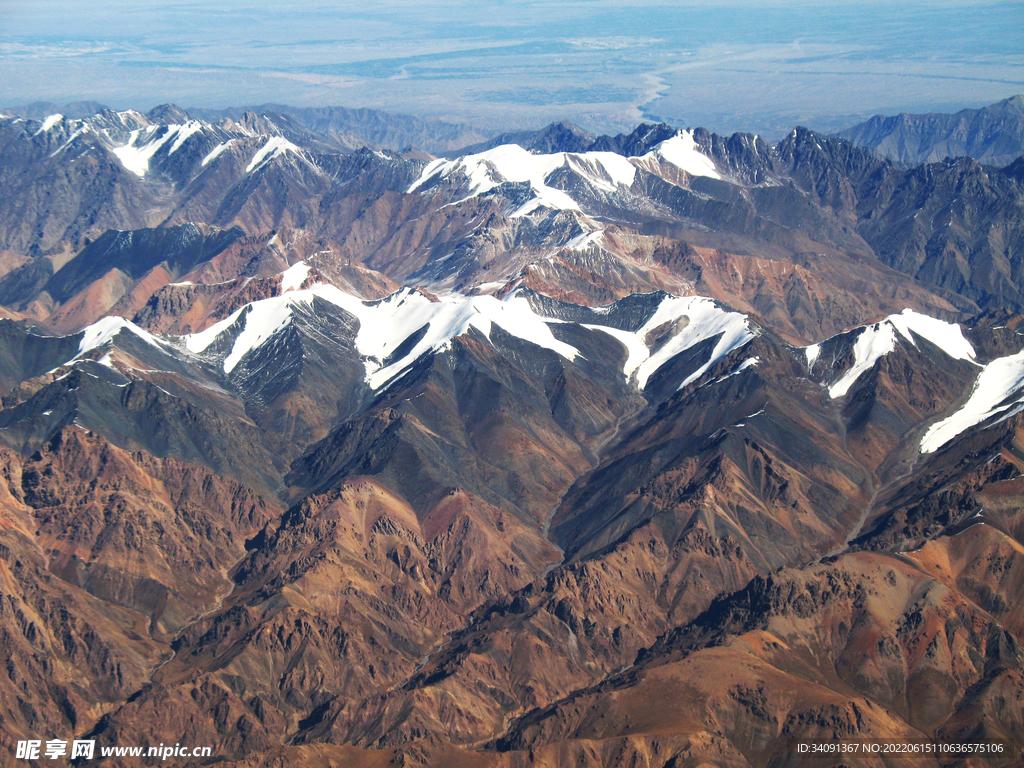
498 64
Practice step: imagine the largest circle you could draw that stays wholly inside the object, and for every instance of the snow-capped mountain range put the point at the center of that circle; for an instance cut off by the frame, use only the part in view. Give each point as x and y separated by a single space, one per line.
655 449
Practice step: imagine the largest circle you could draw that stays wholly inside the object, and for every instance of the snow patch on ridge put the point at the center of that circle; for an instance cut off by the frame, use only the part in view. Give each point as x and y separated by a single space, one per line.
636 350
688 321
706 320
607 172
812 351
100 332
103 331
581 242
263 320
198 342
386 324
876 341
275 146
140 149
182 134
873 343
681 151
293 277
80 131
948 337
48 123
391 321
748 363
511 163
429 325
998 382
216 152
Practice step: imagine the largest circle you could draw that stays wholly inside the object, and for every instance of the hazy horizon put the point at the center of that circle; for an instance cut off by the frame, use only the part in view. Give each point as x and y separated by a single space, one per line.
499 65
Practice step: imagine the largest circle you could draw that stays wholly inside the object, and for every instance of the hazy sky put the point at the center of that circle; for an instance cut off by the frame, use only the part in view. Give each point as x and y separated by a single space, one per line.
728 66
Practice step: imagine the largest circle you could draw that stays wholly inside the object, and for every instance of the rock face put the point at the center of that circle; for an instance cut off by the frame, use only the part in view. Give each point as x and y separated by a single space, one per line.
704 452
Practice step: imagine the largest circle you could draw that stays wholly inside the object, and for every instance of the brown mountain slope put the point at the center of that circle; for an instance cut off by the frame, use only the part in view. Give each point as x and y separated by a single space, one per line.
106 556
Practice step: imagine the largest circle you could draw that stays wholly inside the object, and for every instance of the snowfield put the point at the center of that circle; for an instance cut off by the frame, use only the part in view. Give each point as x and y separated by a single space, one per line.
876 341
993 391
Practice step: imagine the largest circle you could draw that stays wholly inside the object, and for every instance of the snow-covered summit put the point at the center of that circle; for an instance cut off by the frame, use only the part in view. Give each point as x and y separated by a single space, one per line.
682 151
605 172
511 163
875 341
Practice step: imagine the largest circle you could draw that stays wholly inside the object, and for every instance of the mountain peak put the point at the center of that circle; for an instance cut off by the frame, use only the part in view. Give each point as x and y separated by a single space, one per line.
1016 103
168 114
640 141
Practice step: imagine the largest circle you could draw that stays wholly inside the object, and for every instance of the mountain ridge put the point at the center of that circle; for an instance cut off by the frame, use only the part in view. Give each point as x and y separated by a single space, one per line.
993 134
